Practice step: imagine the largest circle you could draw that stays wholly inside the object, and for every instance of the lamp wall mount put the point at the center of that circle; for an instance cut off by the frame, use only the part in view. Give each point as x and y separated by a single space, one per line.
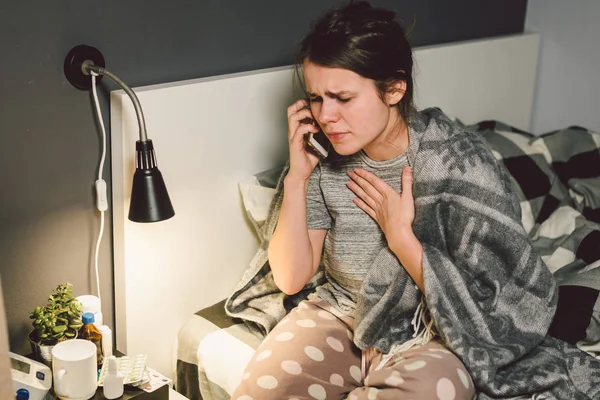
77 63
81 61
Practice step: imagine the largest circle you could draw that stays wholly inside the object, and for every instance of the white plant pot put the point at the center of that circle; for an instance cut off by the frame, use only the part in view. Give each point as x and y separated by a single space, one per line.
41 352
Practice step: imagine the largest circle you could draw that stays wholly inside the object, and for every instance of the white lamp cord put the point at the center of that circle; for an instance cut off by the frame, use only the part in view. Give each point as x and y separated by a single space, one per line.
101 198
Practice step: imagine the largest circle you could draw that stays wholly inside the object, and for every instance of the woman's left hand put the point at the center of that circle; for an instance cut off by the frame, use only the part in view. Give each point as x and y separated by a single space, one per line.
393 211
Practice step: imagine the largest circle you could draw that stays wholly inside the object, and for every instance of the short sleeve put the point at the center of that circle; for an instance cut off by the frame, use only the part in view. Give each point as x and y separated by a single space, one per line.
317 215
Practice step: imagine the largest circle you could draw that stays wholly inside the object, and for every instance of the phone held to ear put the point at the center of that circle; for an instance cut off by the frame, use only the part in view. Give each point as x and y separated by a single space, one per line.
318 144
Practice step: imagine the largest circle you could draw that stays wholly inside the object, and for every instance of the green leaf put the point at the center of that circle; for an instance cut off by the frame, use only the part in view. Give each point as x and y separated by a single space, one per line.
59 328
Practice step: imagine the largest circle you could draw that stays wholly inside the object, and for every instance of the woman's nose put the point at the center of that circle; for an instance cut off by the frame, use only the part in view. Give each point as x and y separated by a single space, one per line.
328 112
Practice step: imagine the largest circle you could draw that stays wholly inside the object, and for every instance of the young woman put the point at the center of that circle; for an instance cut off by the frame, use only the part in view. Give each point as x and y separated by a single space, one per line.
393 267
360 95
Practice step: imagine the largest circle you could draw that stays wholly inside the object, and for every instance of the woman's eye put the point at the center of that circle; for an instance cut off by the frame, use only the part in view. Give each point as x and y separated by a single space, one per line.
315 99
343 100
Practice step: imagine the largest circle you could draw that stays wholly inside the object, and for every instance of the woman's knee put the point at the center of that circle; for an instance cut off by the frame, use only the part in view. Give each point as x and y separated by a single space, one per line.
307 355
431 370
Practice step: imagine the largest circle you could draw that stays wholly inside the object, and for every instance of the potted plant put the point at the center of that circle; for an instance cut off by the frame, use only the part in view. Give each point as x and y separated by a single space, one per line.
58 320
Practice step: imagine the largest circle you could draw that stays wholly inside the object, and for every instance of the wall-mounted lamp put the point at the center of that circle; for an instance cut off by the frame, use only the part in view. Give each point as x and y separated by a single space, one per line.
150 201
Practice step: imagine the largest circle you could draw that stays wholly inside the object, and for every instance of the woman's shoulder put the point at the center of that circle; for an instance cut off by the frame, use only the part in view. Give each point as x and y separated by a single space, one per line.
446 143
455 159
438 130
434 121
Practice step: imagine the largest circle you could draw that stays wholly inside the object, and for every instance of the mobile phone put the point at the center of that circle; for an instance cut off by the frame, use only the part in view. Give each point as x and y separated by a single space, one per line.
318 144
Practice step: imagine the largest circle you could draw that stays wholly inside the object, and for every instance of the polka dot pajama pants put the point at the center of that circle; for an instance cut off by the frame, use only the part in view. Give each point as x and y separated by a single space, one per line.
310 355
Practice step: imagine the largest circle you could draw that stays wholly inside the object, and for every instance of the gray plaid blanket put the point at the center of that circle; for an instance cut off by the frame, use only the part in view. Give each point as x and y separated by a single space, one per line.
492 297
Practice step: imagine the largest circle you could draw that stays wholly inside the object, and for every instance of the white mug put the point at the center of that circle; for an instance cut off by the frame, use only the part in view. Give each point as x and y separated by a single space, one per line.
74 369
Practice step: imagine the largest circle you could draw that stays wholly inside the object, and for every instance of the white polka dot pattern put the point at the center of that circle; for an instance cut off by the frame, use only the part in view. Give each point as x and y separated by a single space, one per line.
284 337
336 379
445 389
306 323
246 375
291 367
263 355
464 379
335 344
326 315
415 365
317 392
395 379
355 373
245 397
314 354
267 382
372 394
441 351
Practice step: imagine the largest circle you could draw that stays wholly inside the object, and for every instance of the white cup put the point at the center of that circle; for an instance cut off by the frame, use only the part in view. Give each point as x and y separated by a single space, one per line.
74 369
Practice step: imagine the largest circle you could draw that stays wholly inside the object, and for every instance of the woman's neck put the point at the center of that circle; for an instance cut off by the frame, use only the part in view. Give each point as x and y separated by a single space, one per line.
392 142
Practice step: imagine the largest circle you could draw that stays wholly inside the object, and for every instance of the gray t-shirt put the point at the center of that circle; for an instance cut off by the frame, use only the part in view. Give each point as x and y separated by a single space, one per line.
353 239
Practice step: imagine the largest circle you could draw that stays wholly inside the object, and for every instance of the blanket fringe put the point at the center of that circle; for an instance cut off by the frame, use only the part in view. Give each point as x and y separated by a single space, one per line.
423 333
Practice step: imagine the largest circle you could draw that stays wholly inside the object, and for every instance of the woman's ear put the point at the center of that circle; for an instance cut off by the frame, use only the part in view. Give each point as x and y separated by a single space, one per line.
396 92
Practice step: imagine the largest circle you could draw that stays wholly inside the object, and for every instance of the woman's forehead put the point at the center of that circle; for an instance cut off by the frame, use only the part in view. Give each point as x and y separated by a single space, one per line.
335 80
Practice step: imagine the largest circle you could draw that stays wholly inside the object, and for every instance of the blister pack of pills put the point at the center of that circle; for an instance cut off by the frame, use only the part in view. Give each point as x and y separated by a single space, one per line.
132 368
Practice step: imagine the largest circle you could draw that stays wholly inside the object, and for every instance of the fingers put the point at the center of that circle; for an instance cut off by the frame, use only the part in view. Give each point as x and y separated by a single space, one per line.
363 206
297 106
303 116
300 117
372 185
362 195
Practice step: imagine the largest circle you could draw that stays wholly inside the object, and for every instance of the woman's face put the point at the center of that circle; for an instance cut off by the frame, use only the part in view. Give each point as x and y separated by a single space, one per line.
349 110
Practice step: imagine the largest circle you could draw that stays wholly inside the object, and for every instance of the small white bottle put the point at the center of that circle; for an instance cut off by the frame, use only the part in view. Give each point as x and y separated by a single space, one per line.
106 340
113 381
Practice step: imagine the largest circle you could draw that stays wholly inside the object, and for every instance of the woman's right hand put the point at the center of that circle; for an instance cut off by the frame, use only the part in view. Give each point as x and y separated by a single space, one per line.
300 122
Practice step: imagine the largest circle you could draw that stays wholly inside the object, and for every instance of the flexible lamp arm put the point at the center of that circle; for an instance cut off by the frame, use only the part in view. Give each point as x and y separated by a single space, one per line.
87 67
150 200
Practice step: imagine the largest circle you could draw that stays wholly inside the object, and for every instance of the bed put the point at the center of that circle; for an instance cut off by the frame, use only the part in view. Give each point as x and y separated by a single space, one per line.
165 273
559 190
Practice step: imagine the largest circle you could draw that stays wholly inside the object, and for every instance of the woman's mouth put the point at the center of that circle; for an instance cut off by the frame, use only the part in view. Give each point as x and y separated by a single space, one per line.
336 136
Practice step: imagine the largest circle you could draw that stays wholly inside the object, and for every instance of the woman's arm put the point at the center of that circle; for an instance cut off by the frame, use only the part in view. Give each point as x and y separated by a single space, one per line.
409 252
294 251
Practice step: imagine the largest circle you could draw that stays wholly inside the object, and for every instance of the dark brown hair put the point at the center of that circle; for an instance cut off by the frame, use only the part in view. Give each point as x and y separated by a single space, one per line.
365 40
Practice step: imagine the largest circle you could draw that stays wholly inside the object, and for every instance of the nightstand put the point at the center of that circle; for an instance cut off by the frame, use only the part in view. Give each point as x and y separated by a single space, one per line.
162 393
132 393
173 395
158 394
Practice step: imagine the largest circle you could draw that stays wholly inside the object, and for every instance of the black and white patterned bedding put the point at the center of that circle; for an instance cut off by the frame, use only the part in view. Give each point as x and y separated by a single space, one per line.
557 177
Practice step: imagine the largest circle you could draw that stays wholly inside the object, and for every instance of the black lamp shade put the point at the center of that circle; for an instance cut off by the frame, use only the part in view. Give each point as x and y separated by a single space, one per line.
150 200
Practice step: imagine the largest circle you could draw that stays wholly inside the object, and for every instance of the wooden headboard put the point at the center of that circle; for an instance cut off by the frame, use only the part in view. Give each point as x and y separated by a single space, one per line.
211 133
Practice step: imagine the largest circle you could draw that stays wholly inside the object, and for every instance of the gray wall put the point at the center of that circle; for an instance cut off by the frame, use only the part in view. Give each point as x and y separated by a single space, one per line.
568 87
6 390
50 142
